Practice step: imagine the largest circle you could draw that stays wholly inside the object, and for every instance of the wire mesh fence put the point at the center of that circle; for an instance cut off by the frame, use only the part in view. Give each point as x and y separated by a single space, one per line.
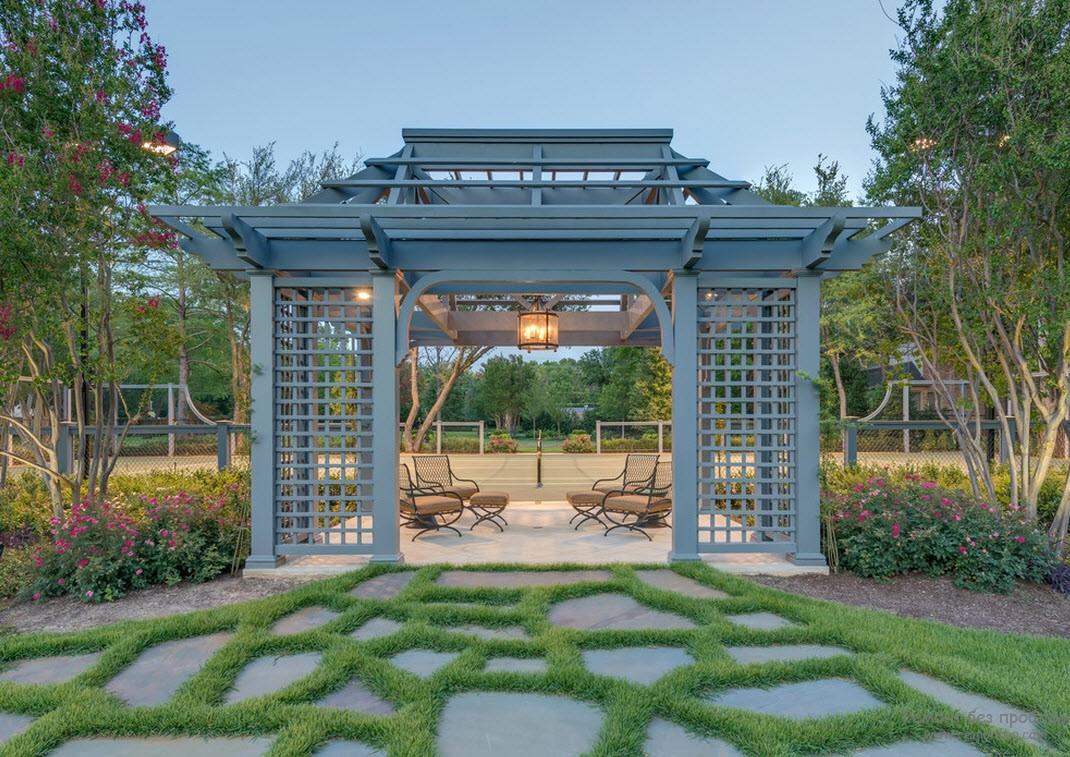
155 448
902 443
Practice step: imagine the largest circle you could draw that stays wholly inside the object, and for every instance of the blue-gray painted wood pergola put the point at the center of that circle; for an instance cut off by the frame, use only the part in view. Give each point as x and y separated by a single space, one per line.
343 283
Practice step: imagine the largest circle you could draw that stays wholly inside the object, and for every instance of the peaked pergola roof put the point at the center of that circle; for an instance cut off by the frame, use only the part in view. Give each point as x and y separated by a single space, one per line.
521 202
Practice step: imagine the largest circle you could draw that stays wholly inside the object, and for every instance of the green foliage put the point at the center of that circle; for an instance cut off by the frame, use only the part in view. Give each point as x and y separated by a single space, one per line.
103 550
882 529
16 567
578 442
502 443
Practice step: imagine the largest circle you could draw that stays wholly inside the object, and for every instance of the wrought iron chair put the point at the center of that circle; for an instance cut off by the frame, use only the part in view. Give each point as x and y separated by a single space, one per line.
649 503
427 509
435 472
637 471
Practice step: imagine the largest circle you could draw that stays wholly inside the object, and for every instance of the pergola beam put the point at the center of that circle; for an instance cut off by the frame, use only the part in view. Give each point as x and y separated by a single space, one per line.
249 244
818 245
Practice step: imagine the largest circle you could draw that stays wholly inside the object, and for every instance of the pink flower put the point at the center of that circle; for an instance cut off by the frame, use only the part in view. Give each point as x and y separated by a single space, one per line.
963 550
102 96
138 572
895 530
15 160
956 516
89 594
928 484
1020 539
36 595
61 581
83 562
74 185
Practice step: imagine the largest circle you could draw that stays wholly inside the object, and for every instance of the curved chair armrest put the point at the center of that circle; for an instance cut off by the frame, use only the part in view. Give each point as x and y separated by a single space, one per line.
467 481
607 480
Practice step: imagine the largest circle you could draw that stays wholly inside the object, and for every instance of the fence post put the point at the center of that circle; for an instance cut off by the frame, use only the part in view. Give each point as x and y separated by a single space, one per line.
63 449
438 436
598 437
222 445
482 432
170 419
906 417
661 437
850 444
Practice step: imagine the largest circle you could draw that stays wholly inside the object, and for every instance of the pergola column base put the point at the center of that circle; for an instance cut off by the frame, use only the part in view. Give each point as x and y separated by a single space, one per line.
675 556
808 558
263 562
388 559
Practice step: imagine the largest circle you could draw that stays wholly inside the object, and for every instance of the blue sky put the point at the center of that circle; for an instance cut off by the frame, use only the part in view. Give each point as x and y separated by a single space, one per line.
745 84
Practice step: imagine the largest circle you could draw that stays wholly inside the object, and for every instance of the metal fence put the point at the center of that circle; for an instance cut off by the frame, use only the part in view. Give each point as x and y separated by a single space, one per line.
173 447
633 436
904 443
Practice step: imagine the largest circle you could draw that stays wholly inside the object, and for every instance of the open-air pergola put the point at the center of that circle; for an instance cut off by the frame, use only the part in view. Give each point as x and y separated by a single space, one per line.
343 283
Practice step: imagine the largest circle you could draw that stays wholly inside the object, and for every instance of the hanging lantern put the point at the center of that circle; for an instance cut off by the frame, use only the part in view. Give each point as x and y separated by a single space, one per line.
536 329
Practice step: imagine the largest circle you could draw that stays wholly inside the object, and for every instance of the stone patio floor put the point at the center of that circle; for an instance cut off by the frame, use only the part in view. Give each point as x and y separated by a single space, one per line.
502 723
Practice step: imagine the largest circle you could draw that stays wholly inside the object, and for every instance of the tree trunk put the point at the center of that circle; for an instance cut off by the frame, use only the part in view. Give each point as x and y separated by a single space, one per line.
841 392
414 392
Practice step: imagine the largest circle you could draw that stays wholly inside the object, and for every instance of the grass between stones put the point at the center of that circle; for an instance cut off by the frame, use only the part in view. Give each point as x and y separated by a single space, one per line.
1027 672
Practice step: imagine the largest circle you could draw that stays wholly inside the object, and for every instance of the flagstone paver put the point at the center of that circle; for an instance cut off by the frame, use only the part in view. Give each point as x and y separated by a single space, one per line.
13 725
519 579
357 697
806 699
784 653
516 665
663 578
423 662
342 748
642 665
159 671
304 619
55 669
164 746
945 746
496 633
266 675
980 708
613 612
499 724
761 621
376 628
386 586
665 739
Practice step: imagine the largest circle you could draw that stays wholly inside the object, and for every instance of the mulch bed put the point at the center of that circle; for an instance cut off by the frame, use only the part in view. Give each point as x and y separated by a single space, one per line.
1031 608
69 614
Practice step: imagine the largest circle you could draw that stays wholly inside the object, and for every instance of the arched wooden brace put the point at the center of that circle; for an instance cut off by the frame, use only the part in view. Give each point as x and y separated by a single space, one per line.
431 280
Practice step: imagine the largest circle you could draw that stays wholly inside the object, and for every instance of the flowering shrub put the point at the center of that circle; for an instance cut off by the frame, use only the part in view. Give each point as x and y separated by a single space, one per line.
186 539
882 530
103 550
578 442
502 442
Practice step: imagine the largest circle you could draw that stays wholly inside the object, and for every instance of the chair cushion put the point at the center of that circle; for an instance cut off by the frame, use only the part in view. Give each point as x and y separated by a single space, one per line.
489 499
606 488
638 503
430 504
585 497
464 490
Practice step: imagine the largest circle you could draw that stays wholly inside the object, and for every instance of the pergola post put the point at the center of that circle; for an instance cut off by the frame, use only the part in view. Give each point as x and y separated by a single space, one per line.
685 417
807 421
385 441
262 420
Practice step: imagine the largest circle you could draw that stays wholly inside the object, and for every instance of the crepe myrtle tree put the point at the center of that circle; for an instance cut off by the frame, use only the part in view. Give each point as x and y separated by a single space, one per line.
977 131
82 145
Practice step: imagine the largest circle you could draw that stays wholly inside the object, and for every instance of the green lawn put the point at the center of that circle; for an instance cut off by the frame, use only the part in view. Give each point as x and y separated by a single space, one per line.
1029 672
